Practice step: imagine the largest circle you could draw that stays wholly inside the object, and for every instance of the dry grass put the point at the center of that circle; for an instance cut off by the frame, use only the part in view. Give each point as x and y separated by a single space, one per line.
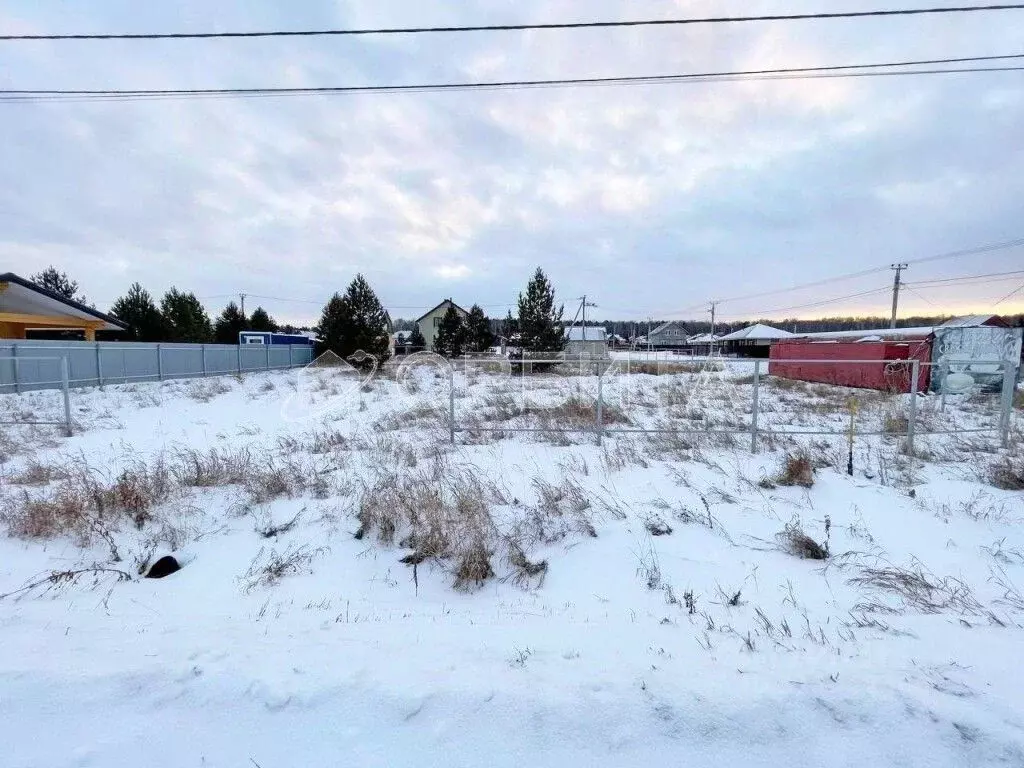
269 567
917 589
671 368
37 473
797 469
1008 474
895 423
211 468
794 541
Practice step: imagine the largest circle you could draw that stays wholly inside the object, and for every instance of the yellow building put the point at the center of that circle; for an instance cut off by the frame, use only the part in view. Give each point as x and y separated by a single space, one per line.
430 322
25 306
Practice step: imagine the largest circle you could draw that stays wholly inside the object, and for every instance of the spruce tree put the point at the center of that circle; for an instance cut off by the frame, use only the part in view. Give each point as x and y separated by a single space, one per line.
259 320
509 326
416 341
451 334
139 311
356 322
478 330
52 279
230 323
540 324
185 319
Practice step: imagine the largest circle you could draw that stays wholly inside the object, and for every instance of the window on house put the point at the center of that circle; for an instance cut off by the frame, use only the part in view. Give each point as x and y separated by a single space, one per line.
437 322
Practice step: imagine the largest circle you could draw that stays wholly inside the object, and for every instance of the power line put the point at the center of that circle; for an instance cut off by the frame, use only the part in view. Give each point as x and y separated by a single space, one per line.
988 248
823 302
991 277
522 27
877 69
1010 295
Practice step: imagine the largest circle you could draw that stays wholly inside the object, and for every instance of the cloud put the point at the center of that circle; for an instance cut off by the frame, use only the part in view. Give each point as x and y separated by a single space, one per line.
651 198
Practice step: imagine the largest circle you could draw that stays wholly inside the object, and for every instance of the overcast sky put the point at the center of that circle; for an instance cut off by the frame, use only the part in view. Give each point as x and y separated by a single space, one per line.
650 200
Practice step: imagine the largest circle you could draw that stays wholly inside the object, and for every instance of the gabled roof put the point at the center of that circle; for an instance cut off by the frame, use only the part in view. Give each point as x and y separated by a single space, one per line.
446 301
757 332
974 321
594 333
664 326
702 338
34 299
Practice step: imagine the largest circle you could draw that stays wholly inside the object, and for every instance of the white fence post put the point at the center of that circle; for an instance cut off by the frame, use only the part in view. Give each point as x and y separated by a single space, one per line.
203 347
1006 402
99 366
915 372
67 396
451 404
159 363
291 363
14 357
239 356
755 406
599 425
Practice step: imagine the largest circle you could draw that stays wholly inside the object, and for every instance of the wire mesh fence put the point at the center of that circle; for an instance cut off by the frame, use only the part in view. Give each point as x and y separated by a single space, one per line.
735 397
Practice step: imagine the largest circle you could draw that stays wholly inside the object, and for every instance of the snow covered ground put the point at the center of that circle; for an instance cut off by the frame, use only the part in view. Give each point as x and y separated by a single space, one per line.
636 602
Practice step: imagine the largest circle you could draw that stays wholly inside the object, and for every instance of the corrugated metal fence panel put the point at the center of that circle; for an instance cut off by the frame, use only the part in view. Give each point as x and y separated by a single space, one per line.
114 362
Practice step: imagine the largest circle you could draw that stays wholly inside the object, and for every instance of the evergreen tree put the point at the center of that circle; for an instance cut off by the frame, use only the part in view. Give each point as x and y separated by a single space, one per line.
54 280
540 324
478 330
259 320
139 311
229 324
356 322
416 341
185 319
451 334
509 326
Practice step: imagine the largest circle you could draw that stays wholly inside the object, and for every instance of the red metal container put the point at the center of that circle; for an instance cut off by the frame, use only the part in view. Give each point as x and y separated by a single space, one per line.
885 365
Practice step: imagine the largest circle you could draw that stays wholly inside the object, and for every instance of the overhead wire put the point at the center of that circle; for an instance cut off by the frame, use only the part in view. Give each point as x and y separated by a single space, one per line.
881 13
873 69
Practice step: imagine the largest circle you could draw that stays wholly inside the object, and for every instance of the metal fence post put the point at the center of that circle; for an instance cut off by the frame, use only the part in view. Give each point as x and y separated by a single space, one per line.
451 404
14 357
99 366
1006 402
67 396
944 374
203 350
599 425
268 356
239 356
159 363
291 364
755 406
915 372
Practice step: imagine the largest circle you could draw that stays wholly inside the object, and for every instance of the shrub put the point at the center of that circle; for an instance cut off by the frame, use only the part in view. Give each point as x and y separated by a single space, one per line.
796 542
1008 474
797 469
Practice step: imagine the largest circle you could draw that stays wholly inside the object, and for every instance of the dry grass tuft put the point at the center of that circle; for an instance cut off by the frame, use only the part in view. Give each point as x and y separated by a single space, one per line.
918 589
37 473
797 469
268 568
796 542
1008 475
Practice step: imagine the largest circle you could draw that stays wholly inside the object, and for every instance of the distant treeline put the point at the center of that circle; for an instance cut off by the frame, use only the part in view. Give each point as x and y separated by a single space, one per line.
629 329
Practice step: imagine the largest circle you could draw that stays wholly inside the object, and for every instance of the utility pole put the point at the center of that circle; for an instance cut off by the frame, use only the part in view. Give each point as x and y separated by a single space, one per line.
242 297
712 346
896 292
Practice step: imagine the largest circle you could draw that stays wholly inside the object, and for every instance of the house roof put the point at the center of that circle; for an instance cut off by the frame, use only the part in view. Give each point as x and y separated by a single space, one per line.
664 326
973 321
756 332
25 297
446 301
594 333
918 332
702 338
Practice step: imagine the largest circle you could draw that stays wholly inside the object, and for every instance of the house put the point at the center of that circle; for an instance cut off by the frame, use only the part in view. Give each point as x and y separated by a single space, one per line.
589 342
267 337
25 307
431 321
702 344
671 335
753 341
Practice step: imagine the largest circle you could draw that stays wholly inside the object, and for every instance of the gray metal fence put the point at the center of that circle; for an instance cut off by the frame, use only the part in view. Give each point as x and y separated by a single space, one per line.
28 365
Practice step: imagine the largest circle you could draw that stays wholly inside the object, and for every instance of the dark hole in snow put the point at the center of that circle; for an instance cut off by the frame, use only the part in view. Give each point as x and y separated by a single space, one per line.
165 566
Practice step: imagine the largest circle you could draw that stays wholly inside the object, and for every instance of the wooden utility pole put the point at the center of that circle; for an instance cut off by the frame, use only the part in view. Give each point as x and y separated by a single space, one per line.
896 292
